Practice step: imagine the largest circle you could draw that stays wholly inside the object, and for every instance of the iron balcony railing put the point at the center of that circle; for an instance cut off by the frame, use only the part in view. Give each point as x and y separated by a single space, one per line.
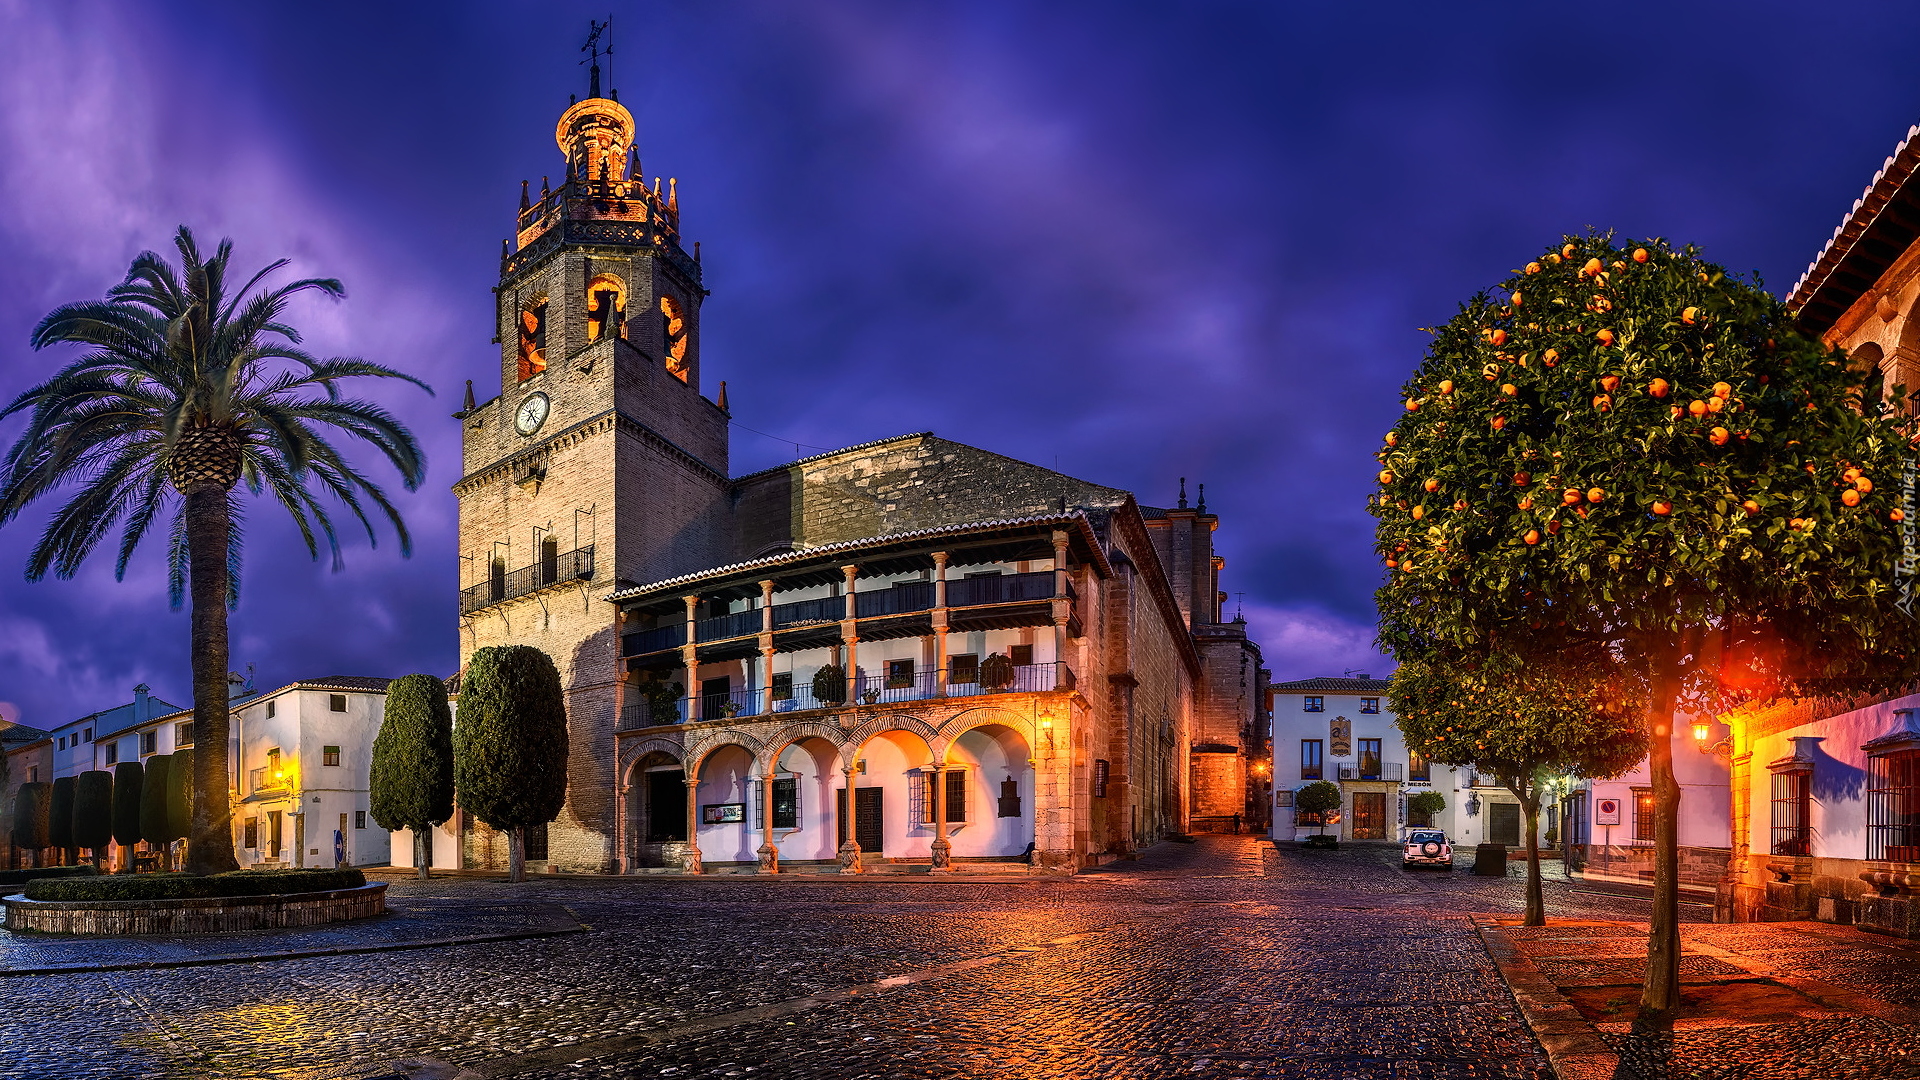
882 689
903 598
670 636
1001 589
1371 770
575 565
806 612
721 627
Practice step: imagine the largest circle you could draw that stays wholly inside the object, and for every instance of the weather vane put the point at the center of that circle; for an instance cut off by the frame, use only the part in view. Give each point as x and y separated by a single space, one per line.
594 51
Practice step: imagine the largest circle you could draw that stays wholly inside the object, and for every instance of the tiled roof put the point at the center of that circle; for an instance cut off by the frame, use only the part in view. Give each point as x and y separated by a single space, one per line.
834 453
20 734
346 682
358 683
1881 191
804 554
1332 686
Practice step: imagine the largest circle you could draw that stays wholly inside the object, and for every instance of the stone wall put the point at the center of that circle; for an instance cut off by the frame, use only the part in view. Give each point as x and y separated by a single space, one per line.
197 916
1218 788
1699 866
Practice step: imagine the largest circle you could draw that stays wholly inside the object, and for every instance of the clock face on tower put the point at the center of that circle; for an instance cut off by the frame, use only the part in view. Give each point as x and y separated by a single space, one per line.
531 414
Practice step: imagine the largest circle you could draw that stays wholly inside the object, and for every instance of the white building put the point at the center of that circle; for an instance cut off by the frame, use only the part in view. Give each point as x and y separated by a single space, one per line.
1609 833
99 740
1342 731
305 752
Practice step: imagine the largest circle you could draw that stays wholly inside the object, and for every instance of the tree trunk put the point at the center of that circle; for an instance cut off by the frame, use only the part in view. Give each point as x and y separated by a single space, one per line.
1529 795
210 850
1660 995
423 851
517 853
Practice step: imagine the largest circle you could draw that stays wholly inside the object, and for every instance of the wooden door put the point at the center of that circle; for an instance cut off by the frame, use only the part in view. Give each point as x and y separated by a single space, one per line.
868 829
666 806
1369 815
1503 823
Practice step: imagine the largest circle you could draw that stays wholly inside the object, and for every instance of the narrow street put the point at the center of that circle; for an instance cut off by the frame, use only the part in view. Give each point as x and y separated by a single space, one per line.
1220 958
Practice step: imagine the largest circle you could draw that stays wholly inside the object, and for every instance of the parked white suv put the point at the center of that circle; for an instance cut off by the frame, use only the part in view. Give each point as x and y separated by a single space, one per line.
1427 847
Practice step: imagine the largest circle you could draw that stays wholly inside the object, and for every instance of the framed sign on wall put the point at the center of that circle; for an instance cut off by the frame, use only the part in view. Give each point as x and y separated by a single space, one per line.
722 813
1340 736
1606 811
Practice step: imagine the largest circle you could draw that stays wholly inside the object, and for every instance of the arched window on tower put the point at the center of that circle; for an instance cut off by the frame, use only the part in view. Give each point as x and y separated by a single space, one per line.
606 307
533 340
497 580
674 337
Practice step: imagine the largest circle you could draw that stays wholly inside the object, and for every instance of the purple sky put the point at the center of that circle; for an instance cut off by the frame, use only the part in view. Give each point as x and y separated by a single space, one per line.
1140 241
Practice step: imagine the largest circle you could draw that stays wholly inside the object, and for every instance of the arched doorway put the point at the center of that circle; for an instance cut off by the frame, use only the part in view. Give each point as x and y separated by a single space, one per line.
989 766
657 810
806 774
887 811
723 801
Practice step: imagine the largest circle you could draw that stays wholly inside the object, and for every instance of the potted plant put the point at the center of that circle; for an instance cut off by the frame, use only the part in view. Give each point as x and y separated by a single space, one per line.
830 684
1319 799
663 701
996 672
1422 807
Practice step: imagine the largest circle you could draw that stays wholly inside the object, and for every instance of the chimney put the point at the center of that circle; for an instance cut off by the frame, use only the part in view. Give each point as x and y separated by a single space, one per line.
142 704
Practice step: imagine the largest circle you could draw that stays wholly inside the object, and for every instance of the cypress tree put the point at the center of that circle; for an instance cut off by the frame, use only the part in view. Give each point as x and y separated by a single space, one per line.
411 779
93 812
153 802
127 789
60 820
180 796
32 810
510 747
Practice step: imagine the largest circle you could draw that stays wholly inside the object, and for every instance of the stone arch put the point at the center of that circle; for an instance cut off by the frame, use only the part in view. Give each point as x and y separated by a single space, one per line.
673 322
900 721
698 752
633 755
777 743
606 306
532 321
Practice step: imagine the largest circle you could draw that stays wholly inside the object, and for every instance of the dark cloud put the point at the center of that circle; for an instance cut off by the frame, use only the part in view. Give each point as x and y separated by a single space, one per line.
1138 241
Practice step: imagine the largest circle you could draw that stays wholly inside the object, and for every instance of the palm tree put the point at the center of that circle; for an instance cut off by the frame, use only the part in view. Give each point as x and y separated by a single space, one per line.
185 389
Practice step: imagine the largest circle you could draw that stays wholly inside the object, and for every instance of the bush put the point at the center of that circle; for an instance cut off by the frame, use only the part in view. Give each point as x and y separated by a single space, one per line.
830 684
127 778
93 811
663 701
60 814
21 877
153 801
180 795
1424 805
32 810
193 886
996 671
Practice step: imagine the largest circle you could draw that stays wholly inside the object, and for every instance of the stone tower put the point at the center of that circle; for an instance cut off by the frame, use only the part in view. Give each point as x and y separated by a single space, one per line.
599 463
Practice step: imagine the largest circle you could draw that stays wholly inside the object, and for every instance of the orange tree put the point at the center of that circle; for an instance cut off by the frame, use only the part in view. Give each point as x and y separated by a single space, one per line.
1523 721
1622 447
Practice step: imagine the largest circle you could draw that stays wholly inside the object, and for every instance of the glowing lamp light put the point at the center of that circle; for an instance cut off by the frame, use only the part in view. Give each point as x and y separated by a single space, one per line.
1701 730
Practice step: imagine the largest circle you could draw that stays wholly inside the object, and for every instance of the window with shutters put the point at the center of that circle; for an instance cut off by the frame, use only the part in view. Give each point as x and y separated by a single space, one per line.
329 755
359 819
113 753
1369 704
337 702
963 668
1310 758
783 686
1315 703
1100 770
183 733
899 674
786 803
149 742
1642 813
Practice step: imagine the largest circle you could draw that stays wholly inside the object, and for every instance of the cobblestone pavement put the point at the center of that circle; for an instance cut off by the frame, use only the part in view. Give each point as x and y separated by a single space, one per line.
1225 958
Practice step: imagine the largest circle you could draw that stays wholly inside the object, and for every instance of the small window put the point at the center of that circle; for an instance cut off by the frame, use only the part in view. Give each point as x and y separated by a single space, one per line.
1369 704
899 674
1315 703
1418 767
183 733
1310 760
1642 813
359 819
1369 759
1893 806
1021 655
33 774
783 686
252 833
1792 813
1101 770
60 743
86 735
113 753
963 668
329 755
270 709
536 842
337 702
149 742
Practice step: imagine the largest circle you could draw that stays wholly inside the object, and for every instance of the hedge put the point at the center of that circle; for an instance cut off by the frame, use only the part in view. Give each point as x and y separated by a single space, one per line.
21 877
32 810
128 778
153 801
93 811
193 886
60 815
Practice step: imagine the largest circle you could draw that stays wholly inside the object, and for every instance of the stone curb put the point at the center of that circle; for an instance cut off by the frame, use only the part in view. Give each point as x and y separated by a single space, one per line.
1573 1045
294 954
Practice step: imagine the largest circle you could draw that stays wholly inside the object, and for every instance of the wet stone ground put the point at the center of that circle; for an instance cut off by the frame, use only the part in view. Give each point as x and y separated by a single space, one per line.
1225 958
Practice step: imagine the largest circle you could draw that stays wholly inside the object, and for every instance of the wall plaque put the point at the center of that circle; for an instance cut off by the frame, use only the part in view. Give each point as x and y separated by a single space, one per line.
1340 737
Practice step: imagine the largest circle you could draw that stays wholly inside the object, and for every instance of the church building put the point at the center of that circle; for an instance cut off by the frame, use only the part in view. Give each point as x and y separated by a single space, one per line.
906 652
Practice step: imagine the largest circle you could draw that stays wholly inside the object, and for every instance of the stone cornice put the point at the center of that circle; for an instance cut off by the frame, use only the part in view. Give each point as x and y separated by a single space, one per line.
591 426
1141 551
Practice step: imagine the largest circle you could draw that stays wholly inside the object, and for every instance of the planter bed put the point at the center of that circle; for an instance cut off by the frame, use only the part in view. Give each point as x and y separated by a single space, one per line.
195 915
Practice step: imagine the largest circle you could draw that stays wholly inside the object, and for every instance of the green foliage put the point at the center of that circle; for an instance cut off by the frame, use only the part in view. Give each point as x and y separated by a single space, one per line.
663 700
996 671
1425 804
1319 797
93 810
194 886
60 814
180 795
21 877
411 778
1322 840
830 684
128 779
153 800
1647 526
510 746
1513 717
32 812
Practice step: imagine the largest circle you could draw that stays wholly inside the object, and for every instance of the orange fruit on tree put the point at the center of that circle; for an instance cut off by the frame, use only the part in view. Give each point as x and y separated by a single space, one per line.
1593 266
1862 485
1618 265
1609 383
1521 479
1413 405
1386 476
1718 436
1509 389
1689 315
1658 387
1553 527
1431 484
1602 402
1459 505
1533 268
1391 563
1446 386
1418 512
1605 336
1516 299
1850 497
1850 475
1662 509
1897 515
1697 407
1567 251
1640 255
1526 503
1722 390
1595 495
1750 506
1676 412
1716 403
1532 537
1393 438
1498 337
1570 496
1499 422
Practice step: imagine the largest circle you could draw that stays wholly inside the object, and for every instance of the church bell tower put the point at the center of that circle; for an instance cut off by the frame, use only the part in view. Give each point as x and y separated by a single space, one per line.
598 462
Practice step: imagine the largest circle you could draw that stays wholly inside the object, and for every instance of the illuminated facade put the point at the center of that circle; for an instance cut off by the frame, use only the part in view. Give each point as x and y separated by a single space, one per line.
909 652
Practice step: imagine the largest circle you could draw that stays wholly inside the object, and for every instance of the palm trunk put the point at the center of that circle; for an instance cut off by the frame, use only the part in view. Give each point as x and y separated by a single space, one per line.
423 851
1660 995
517 853
210 849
